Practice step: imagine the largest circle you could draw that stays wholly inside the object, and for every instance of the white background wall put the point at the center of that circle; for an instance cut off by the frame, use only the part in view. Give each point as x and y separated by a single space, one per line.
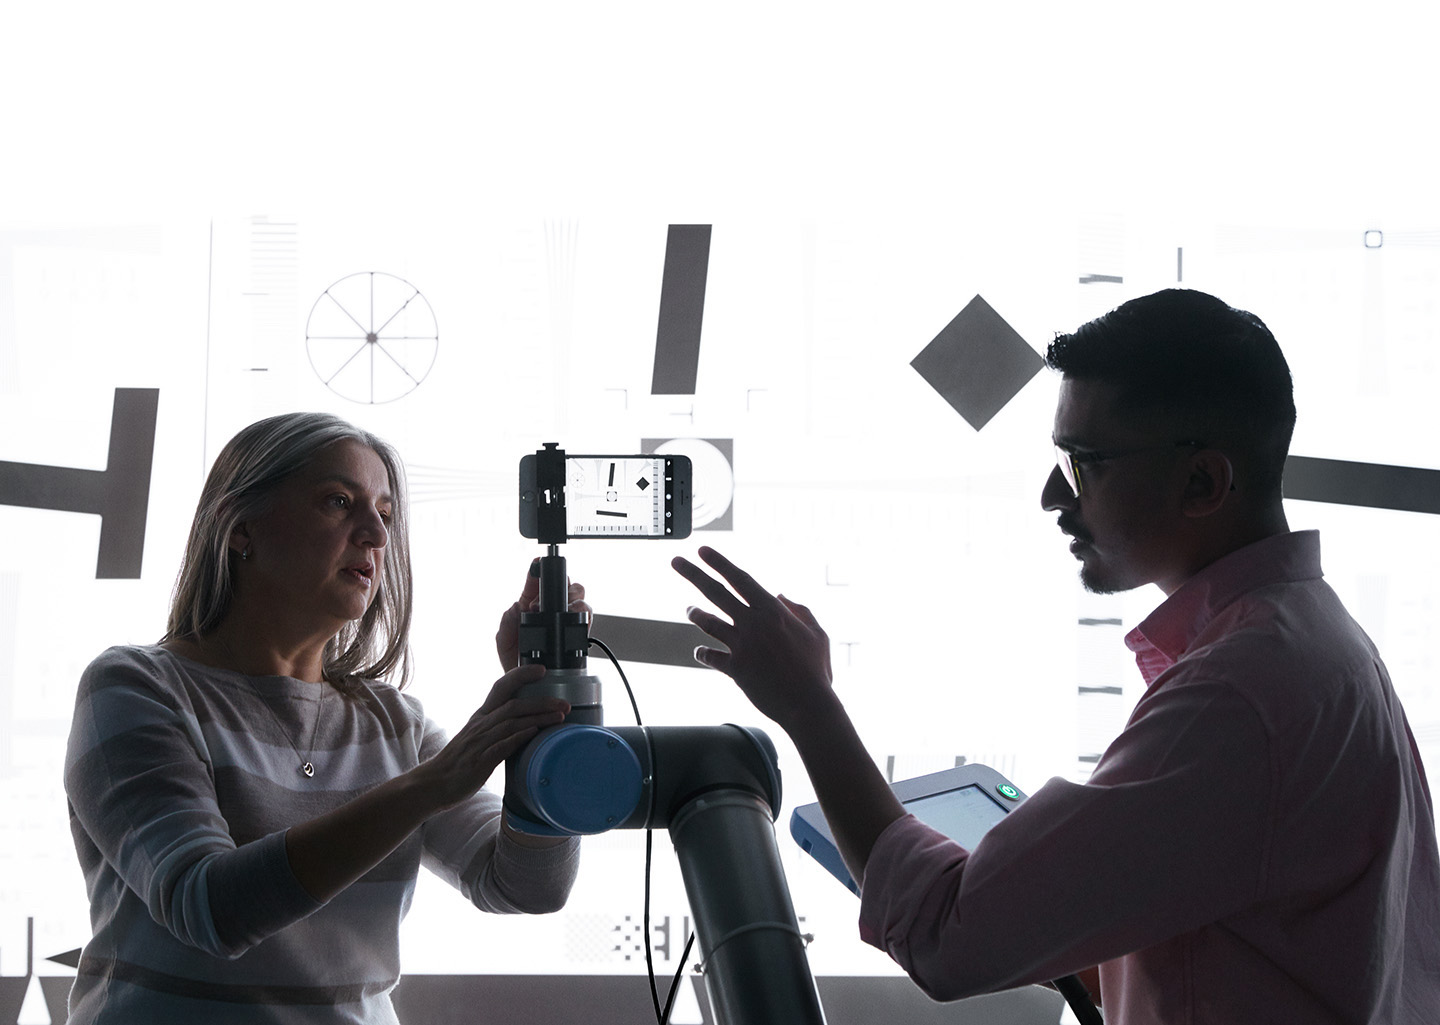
867 171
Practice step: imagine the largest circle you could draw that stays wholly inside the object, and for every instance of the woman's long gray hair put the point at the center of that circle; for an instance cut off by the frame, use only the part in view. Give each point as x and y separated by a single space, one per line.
240 487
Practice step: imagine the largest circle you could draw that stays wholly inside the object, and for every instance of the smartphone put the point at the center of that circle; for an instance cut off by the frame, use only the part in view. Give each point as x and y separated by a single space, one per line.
639 496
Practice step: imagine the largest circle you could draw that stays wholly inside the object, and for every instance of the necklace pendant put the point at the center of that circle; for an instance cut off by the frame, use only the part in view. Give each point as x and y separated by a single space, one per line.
307 768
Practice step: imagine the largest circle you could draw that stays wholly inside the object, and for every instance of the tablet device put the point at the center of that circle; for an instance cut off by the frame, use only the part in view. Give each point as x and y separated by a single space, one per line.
963 803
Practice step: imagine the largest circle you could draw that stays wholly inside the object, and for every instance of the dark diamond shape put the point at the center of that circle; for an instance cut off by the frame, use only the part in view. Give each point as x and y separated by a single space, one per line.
642 483
977 363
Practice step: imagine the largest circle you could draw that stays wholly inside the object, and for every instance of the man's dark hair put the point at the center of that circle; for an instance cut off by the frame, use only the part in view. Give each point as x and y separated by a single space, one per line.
1217 371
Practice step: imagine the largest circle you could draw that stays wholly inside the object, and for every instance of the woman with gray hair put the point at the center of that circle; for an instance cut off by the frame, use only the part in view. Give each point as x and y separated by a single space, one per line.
251 797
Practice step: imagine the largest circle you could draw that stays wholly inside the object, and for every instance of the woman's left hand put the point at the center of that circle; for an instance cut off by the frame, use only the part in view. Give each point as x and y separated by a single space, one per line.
507 637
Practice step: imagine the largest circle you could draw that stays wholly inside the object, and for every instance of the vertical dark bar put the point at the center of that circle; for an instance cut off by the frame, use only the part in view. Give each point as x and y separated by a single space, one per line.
127 483
682 308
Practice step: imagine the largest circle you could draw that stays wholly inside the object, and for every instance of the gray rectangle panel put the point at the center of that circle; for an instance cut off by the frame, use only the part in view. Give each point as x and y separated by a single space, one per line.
651 640
682 310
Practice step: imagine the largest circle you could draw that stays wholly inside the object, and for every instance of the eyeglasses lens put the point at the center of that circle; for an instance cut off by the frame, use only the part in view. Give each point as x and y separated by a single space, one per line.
1068 469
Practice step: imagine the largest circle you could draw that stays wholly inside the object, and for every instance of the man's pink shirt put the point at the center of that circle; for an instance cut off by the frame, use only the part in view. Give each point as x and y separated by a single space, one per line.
1258 844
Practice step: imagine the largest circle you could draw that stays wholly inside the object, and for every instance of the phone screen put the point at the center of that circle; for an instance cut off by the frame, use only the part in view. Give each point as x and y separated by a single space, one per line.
636 496
615 496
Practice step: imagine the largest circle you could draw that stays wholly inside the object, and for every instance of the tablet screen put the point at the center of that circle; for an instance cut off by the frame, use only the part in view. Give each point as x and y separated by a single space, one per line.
964 815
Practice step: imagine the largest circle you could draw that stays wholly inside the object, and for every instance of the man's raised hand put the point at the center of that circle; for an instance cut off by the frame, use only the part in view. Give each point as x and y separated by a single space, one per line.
777 651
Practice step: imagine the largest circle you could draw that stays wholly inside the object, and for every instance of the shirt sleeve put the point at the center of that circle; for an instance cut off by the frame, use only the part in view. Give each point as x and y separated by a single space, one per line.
143 802
466 847
1170 833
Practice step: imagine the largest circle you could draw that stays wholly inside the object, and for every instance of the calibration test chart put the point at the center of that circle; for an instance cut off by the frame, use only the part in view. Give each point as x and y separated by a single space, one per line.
615 495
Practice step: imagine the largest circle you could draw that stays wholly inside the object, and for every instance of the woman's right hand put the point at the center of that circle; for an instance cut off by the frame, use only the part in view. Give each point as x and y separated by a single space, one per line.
498 729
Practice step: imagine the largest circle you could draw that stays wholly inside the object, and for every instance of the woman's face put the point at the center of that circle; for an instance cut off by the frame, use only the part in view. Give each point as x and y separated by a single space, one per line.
316 553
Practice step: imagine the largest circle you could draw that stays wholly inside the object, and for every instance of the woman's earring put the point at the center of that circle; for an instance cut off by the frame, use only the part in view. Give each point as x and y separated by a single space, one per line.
245 555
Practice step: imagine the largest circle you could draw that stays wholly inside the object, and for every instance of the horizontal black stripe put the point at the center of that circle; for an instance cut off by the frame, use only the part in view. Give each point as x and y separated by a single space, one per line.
1373 485
230 993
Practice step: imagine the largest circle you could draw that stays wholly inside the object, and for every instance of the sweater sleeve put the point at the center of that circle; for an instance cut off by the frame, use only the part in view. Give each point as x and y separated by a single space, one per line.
466 847
142 800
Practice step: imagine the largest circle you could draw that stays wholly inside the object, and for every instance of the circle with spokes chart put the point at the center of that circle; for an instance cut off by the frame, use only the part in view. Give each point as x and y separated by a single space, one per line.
371 337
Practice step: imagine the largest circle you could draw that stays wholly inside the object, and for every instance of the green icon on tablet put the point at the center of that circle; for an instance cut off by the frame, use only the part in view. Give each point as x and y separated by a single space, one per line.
1008 792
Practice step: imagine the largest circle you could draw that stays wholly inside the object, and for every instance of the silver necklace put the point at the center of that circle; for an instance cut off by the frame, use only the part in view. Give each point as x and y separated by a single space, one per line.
307 767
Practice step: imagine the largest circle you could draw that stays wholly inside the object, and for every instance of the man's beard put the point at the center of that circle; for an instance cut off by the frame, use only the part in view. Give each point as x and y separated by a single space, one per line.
1094 580
1097 585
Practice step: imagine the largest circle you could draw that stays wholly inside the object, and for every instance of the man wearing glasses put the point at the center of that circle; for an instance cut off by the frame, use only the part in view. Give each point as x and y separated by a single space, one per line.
1258 844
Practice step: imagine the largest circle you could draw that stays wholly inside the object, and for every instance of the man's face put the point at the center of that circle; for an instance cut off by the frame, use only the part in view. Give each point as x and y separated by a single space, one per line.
1127 522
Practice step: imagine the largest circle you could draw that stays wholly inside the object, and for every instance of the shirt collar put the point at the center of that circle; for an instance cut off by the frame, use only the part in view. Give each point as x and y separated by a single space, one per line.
1167 633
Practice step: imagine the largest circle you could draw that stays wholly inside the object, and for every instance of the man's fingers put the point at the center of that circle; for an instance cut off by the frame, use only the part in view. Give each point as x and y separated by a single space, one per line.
745 585
720 595
713 625
713 658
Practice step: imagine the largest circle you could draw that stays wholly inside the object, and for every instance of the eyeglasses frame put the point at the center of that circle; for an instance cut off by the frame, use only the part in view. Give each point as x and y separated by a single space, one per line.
1070 462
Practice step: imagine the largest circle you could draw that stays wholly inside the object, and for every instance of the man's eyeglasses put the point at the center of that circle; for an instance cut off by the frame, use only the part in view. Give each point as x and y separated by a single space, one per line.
1071 463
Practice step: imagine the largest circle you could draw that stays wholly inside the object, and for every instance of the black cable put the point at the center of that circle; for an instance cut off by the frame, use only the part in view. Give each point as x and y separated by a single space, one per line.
616 662
1078 997
649 955
662 1015
675 982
